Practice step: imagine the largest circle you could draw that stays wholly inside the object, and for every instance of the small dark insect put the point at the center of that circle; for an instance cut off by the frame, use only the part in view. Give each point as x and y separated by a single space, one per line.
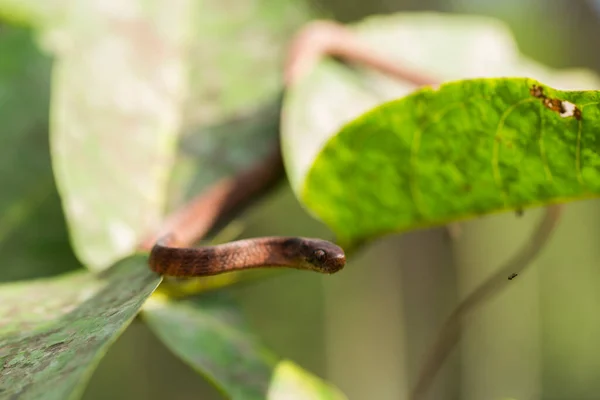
577 114
519 212
512 276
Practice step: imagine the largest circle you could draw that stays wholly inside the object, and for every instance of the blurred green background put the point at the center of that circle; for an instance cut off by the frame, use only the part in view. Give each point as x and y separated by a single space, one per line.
367 329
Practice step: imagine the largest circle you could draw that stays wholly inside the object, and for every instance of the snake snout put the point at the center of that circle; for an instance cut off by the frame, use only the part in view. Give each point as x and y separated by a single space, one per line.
331 260
335 263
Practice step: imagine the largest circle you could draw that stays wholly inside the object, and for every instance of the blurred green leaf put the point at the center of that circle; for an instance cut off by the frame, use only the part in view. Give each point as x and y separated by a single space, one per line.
237 55
33 235
54 331
210 335
469 148
207 154
290 382
118 88
31 12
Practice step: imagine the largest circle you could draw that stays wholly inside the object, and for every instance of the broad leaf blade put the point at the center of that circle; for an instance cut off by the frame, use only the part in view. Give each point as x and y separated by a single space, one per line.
34 13
291 382
228 81
118 89
212 337
469 148
449 47
53 331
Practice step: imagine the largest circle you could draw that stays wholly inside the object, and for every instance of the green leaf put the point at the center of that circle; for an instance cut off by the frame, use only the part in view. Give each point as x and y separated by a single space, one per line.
210 335
291 382
31 12
226 81
449 47
118 88
210 153
54 331
469 148
33 235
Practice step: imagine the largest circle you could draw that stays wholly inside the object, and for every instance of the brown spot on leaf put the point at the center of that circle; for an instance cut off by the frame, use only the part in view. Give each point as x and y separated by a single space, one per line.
564 108
537 91
554 105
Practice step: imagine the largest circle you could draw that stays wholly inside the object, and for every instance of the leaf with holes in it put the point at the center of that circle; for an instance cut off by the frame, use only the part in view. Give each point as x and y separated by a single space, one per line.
471 147
210 335
54 331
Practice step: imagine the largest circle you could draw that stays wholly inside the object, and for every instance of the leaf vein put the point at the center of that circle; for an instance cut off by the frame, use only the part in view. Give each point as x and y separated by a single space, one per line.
414 150
542 147
496 149
578 149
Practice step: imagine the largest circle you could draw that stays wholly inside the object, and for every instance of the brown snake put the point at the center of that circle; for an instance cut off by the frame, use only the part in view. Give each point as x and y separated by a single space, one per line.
292 252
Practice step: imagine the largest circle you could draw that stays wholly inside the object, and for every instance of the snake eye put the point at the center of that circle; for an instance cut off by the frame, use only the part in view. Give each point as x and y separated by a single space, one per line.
320 255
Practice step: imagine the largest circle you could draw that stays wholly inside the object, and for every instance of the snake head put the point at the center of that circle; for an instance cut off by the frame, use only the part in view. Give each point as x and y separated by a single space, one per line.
323 256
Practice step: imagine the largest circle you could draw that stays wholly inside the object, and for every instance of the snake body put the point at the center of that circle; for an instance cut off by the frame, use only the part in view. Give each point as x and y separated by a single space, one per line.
292 252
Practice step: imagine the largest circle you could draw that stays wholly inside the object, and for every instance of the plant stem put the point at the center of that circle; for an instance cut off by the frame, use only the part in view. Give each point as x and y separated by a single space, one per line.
327 38
220 202
450 333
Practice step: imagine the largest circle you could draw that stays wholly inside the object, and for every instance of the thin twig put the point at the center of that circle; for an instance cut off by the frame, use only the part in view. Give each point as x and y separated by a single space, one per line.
450 333
219 202
328 38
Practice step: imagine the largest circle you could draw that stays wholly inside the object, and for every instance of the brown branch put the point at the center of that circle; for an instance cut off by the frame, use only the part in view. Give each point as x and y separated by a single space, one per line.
450 333
327 38
220 202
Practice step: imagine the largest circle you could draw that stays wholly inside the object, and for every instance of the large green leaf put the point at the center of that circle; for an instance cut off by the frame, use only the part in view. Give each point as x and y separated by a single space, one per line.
210 335
469 148
54 331
118 89
449 47
33 235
